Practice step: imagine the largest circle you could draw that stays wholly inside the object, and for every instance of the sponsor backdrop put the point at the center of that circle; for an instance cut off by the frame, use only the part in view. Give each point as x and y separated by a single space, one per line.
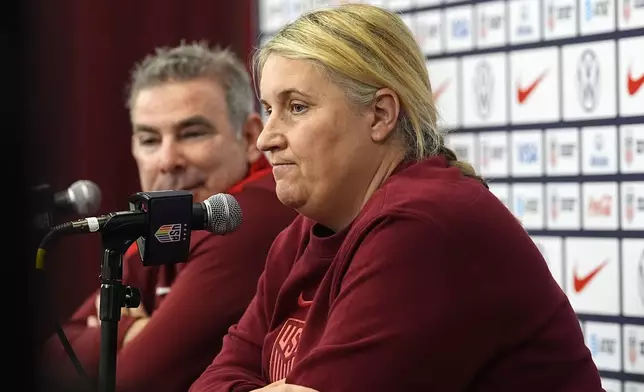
546 99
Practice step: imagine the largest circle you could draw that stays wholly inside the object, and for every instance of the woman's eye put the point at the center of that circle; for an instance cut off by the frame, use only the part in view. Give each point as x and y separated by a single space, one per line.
298 108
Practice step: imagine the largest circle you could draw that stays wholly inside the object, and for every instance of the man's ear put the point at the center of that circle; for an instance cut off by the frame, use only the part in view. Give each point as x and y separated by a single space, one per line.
386 107
250 132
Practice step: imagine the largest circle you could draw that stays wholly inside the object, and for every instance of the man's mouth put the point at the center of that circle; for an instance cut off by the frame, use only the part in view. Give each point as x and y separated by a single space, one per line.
192 187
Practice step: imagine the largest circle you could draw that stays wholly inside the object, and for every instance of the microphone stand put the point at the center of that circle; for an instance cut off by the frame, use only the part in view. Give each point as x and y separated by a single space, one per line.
113 296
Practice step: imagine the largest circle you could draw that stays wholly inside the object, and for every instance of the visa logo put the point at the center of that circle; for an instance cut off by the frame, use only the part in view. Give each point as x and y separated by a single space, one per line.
460 28
527 153
599 161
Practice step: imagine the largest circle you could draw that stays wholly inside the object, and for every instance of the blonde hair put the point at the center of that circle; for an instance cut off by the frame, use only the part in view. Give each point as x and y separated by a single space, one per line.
364 48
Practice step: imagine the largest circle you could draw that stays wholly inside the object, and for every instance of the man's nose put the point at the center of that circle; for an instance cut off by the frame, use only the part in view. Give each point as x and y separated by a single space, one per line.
171 157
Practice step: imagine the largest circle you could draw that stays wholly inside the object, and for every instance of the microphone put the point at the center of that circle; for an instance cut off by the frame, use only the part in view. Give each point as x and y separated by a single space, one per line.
160 222
219 214
82 197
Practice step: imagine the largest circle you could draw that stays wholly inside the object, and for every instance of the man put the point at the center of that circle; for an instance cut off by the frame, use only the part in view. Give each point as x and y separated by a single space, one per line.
194 128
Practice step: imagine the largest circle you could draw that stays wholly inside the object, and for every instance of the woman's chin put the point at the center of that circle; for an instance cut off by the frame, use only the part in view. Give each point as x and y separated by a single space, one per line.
289 195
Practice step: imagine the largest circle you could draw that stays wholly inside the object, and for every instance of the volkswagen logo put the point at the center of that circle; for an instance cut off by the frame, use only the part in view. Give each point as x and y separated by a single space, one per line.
483 89
588 80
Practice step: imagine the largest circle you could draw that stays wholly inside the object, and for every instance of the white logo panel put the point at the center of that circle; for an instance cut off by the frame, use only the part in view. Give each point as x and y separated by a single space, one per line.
599 150
534 76
592 275
484 90
458 28
630 14
600 211
491 24
272 15
552 250
429 31
423 3
527 153
605 345
611 385
562 152
397 5
631 76
563 206
527 205
633 349
560 19
525 23
493 154
632 386
632 205
464 146
502 192
443 76
633 277
588 77
632 148
596 16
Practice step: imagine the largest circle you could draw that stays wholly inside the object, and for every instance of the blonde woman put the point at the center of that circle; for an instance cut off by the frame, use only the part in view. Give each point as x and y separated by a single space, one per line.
402 271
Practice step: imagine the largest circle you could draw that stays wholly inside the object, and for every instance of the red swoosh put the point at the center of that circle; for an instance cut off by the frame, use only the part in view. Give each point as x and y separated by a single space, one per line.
634 84
580 282
440 90
523 94
302 303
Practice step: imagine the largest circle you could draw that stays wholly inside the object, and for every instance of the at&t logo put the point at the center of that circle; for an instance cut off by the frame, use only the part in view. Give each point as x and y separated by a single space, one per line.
602 345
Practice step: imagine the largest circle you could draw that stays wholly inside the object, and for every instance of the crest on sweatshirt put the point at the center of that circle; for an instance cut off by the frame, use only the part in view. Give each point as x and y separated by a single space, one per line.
284 349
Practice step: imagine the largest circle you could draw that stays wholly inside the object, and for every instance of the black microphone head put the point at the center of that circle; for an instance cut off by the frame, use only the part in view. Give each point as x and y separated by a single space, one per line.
84 197
224 214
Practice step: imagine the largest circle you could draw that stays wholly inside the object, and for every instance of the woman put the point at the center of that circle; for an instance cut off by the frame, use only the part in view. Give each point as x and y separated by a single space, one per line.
402 272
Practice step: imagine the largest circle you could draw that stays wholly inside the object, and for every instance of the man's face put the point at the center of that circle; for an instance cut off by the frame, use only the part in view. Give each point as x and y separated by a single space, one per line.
183 139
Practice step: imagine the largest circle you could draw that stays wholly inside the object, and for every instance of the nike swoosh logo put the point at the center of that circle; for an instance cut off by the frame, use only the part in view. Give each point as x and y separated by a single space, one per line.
302 303
523 94
634 84
440 90
579 283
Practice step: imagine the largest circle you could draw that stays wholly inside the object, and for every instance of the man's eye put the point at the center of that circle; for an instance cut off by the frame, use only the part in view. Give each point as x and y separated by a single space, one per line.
148 142
193 134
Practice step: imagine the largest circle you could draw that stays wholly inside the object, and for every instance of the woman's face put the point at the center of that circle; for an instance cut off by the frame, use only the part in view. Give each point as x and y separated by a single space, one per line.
324 151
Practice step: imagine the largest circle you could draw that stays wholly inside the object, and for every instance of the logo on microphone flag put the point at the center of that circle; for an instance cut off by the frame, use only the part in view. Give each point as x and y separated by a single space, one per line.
169 233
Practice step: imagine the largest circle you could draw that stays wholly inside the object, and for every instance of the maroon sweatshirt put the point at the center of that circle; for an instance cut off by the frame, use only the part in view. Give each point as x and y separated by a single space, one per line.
192 304
435 286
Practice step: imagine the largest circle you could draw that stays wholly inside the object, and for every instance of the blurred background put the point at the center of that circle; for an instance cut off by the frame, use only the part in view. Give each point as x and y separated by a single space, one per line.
543 97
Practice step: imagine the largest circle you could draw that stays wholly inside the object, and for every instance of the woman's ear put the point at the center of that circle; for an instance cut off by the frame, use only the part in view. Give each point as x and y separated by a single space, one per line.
386 107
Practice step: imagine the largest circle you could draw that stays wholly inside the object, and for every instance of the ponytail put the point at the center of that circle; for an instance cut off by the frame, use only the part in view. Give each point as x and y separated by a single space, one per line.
465 168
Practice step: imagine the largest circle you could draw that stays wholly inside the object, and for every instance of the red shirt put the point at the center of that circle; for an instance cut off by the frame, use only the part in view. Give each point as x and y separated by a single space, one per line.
435 286
191 304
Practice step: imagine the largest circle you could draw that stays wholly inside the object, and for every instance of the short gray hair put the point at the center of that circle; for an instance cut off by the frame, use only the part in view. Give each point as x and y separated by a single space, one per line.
196 60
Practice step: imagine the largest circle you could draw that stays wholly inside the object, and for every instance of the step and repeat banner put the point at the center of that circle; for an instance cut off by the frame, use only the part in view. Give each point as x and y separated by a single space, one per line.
546 99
